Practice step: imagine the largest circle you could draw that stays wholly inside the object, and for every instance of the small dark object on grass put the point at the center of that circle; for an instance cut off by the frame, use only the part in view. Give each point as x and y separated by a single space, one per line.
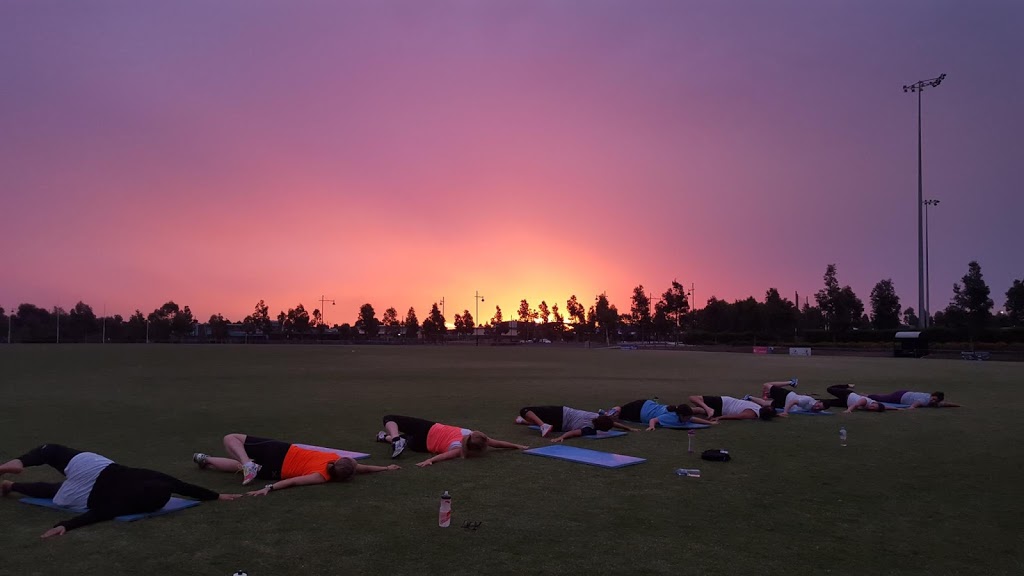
471 525
716 455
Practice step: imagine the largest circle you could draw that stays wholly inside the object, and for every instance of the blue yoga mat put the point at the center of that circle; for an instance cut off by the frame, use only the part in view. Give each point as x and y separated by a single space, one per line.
340 453
584 456
895 405
599 436
683 426
806 412
173 505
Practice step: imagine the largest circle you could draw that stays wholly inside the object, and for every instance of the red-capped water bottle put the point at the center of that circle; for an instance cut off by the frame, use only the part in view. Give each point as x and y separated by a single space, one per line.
444 514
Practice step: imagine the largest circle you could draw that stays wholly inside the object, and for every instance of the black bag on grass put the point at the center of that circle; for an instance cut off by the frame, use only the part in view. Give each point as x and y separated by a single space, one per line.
716 455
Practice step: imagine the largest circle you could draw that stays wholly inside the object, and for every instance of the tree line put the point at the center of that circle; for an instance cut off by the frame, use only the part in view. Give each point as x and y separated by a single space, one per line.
837 314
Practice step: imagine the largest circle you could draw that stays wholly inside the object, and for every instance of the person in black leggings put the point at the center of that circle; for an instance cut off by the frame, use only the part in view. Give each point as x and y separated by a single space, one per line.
96 484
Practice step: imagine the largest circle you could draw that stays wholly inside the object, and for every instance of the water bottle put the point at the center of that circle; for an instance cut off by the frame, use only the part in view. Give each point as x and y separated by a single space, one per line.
689 437
688 472
444 514
842 436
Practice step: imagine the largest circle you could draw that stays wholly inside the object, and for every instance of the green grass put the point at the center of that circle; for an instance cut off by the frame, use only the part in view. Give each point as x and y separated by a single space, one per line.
923 492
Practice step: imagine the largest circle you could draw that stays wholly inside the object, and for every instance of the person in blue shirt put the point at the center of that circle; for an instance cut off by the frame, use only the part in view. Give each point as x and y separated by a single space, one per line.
655 414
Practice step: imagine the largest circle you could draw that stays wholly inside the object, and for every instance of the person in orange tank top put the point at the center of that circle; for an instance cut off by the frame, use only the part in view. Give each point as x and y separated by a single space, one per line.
443 441
284 464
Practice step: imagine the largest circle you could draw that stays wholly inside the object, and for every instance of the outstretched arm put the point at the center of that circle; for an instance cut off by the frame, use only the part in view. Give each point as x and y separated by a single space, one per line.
947 405
449 455
567 435
858 404
307 480
370 468
697 420
652 424
501 444
622 426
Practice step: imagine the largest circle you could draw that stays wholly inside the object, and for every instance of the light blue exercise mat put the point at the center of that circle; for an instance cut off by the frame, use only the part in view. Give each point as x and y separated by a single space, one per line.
683 426
895 405
173 505
585 456
803 412
340 453
599 436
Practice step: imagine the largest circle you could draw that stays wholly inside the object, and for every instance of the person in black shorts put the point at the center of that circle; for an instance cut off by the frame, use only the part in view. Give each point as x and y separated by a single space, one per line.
103 488
283 463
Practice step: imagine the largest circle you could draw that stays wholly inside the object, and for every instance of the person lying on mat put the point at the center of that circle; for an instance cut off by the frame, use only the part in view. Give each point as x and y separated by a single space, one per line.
444 441
786 400
98 485
569 420
729 408
283 464
846 397
655 414
915 399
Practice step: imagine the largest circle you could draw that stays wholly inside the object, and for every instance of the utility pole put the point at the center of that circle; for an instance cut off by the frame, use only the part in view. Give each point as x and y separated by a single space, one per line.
479 299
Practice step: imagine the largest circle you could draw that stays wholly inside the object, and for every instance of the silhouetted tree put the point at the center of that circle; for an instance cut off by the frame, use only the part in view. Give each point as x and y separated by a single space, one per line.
1015 303
412 324
973 299
367 322
885 306
640 310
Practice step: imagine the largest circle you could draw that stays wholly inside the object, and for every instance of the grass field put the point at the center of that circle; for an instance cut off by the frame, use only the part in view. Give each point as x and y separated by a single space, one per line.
922 492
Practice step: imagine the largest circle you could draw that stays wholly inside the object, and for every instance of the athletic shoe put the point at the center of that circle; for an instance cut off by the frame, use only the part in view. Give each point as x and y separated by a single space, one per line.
545 429
793 382
747 397
5 487
612 412
382 436
520 420
397 447
249 471
200 459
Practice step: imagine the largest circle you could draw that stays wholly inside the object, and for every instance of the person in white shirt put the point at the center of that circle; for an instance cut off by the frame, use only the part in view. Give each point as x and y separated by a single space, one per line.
787 400
845 396
729 408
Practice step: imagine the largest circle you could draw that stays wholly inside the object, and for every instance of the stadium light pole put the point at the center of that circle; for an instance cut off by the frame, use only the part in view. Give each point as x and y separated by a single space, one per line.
56 310
927 265
10 316
919 87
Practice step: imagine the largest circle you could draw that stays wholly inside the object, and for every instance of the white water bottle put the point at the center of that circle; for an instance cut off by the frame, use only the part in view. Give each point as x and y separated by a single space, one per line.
690 435
842 436
444 514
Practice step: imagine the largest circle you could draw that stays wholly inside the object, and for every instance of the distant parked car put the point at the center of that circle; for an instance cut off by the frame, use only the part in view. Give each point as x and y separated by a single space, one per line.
544 341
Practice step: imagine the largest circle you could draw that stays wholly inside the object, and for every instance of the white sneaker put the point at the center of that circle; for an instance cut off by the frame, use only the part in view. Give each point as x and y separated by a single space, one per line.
545 429
397 447
382 436
200 459
520 420
249 471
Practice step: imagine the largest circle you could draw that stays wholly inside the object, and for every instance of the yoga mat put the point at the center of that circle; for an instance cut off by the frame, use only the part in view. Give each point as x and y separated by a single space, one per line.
683 426
584 456
894 405
340 453
599 436
806 412
173 505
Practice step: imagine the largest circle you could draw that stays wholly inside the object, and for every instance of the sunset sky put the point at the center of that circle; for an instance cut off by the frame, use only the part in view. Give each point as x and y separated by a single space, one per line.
216 153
